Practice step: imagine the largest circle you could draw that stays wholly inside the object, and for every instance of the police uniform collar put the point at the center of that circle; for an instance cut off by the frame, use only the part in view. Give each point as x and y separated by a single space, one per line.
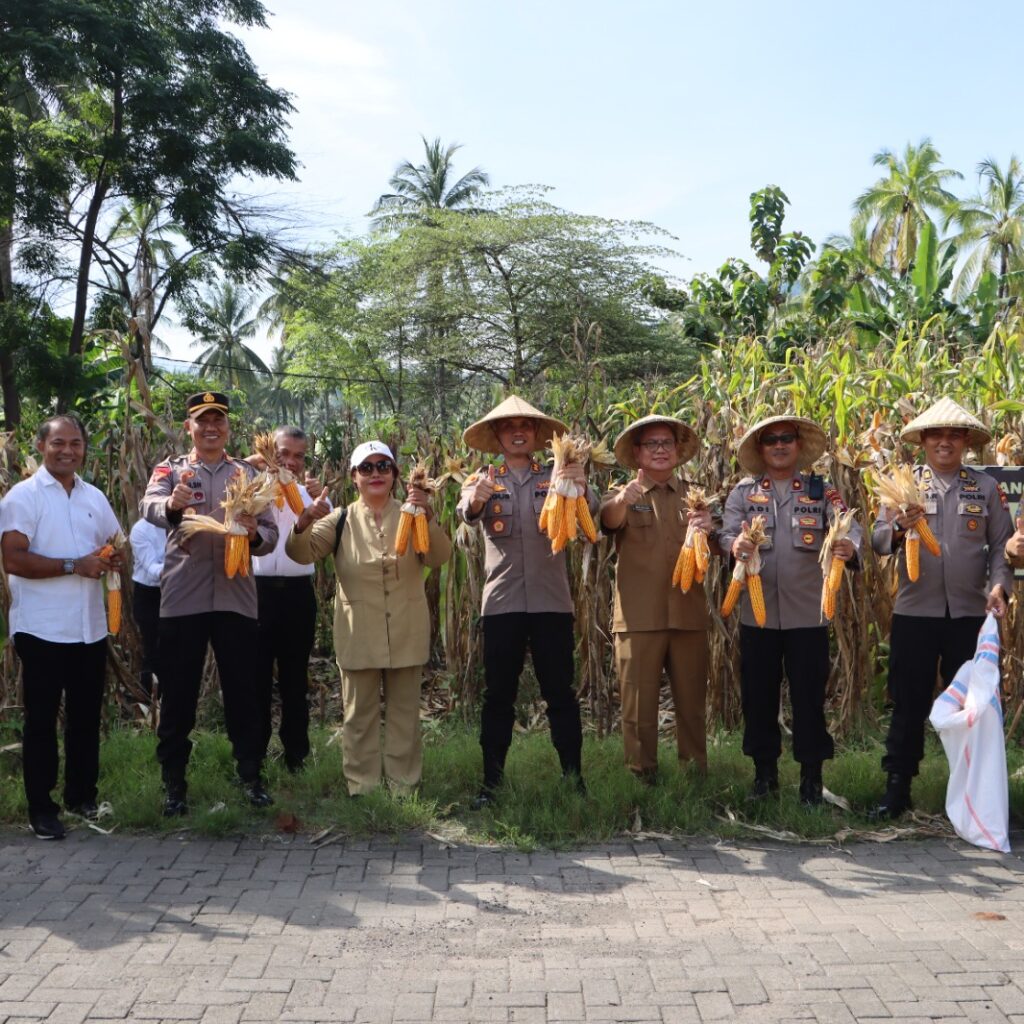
194 456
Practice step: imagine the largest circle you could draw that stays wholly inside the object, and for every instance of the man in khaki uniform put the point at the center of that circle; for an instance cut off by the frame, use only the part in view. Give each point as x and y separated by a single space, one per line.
656 625
798 507
526 599
200 606
936 619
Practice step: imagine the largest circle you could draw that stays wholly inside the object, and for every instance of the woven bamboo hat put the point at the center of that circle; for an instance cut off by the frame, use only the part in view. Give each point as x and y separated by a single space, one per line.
481 435
687 442
946 413
813 443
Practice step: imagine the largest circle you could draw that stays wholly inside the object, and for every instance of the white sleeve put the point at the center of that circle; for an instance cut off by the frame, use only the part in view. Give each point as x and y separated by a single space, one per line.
19 512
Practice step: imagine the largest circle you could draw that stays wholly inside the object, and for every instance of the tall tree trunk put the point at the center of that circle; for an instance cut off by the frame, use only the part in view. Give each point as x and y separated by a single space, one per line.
11 398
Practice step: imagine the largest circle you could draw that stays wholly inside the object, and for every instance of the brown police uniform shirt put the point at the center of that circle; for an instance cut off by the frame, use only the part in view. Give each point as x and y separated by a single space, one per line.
193 579
796 524
381 619
647 545
969 515
521 573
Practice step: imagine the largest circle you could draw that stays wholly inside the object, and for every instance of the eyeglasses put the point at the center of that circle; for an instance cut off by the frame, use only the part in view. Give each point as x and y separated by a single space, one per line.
383 466
663 444
772 439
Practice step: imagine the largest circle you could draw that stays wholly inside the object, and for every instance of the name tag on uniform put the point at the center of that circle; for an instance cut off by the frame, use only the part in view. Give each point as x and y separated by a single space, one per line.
642 508
930 506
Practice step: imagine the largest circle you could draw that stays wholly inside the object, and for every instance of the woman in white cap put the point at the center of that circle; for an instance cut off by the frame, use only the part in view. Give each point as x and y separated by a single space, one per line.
936 619
381 620
526 599
798 506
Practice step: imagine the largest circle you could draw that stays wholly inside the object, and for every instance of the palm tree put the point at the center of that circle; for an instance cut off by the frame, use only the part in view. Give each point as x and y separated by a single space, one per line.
223 323
899 202
992 227
417 190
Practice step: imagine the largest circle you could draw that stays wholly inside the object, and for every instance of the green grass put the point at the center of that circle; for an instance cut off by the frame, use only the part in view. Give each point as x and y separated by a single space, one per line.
536 809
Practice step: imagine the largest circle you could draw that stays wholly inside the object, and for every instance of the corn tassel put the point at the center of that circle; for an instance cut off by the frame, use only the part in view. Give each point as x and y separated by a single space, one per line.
913 550
732 595
404 532
924 531
756 592
586 520
420 533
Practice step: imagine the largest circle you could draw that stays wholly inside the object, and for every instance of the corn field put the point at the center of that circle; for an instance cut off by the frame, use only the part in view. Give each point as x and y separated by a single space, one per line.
841 386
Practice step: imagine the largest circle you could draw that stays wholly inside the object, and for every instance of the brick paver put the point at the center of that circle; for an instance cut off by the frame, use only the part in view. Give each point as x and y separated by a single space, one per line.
105 928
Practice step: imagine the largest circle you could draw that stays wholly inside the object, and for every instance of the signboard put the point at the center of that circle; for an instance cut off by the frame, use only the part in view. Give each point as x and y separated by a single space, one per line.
1011 479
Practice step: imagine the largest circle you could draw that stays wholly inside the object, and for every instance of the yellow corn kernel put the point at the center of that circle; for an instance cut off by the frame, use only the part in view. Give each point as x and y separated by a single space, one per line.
689 568
569 519
420 534
114 611
835 575
756 592
913 549
732 595
586 520
555 521
404 533
924 531
292 496
828 601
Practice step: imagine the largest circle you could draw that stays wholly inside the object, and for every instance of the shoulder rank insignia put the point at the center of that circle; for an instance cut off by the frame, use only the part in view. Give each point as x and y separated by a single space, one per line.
963 474
766 484
1003 500
159 472
926 473
798 484
503 469
833 496
536 467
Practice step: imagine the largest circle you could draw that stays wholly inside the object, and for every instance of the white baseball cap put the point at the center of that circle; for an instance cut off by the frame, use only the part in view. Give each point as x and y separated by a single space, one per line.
366 449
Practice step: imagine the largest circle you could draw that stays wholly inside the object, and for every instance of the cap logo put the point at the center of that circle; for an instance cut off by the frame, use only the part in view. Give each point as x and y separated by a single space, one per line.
208 397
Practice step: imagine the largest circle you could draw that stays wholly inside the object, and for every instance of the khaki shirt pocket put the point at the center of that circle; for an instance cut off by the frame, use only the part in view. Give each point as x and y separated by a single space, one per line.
972 520
639 516
498 516
808 529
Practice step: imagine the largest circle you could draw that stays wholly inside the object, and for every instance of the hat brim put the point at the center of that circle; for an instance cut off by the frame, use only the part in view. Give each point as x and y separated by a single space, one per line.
975 438
198 409
687 442
482 436
813 443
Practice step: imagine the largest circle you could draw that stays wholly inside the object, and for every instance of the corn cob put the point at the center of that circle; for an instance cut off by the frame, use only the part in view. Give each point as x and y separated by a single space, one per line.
546 509
732 595
756 593
586 520
694 555
748 574
287 485
832 567
236 552
565 511
113 584
680 567
899 490
404 531
420 534
412 522
702 552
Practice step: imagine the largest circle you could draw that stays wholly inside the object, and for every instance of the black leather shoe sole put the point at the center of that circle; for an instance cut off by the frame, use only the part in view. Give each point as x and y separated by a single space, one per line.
47 826
257 795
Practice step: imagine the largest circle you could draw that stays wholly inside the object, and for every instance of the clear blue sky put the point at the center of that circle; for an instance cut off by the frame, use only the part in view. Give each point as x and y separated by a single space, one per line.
668 112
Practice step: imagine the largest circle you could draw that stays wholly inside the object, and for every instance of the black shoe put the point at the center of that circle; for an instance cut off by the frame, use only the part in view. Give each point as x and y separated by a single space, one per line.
811 788
295 765
484 799
256 793
766 779
896 799
46 826
88 810
175 800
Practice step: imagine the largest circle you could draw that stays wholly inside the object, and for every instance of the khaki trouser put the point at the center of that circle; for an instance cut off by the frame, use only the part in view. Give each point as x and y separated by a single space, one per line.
360 732
639 659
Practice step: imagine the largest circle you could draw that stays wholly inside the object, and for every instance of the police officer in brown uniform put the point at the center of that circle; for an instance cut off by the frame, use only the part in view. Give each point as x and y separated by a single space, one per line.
656 625
936 619
526 599
199 605
798 508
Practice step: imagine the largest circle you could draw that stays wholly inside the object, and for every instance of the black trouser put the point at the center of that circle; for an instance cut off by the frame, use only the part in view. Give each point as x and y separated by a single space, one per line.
549 636
920 650
183 642
287 619
77 671
804 655
146 610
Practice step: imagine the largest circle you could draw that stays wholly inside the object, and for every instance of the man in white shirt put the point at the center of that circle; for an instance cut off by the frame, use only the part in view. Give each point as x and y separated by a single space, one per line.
287 613
148 543
52 529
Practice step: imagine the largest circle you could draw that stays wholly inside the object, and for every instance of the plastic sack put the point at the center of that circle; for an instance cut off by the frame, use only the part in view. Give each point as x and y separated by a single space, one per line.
968 717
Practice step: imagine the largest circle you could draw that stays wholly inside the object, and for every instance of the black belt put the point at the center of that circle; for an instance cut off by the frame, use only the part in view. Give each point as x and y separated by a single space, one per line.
283 582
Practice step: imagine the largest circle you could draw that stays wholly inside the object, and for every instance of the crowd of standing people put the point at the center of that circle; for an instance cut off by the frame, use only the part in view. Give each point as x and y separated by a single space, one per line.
56 532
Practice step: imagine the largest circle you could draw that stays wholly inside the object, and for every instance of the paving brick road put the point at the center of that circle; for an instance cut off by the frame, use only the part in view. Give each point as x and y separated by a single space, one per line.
112 929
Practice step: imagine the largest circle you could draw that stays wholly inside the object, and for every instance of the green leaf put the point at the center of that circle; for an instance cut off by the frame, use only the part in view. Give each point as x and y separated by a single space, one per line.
925 275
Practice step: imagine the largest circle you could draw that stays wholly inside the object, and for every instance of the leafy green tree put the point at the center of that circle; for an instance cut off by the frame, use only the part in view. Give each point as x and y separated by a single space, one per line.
991 229
224 323
418 189
158 103
899 203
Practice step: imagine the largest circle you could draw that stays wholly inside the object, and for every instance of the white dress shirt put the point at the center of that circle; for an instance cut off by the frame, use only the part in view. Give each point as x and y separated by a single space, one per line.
277 563
61 609
149 543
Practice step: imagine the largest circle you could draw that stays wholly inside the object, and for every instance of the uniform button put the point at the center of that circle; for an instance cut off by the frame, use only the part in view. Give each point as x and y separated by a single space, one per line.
387 593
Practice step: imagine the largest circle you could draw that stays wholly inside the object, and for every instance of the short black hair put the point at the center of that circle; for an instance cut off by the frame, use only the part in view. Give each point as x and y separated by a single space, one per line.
62 417
288 430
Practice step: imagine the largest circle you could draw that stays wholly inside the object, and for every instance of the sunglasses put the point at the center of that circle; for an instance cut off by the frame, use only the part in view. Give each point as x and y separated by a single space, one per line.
773 439
383 466
659 444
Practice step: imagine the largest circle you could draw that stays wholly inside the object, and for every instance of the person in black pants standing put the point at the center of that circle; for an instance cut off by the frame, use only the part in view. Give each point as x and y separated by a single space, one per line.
53 527
148 543
287 613
200 606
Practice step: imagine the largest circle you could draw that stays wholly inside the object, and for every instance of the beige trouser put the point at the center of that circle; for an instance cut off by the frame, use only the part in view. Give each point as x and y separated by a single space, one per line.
639 659
360 732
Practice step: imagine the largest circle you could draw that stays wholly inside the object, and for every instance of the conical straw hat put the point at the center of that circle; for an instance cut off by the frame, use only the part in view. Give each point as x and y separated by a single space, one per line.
947 414
813 443
686 440
482 437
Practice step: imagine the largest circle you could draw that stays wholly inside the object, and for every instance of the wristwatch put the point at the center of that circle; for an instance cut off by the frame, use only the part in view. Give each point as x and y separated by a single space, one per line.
69 567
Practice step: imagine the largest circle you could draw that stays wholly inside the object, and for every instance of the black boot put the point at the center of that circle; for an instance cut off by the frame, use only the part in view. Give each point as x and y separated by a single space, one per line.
810 784
175 798
766 779
896 799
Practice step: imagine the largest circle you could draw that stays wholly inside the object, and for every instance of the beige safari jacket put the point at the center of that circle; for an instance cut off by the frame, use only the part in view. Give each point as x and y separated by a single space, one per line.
381 618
